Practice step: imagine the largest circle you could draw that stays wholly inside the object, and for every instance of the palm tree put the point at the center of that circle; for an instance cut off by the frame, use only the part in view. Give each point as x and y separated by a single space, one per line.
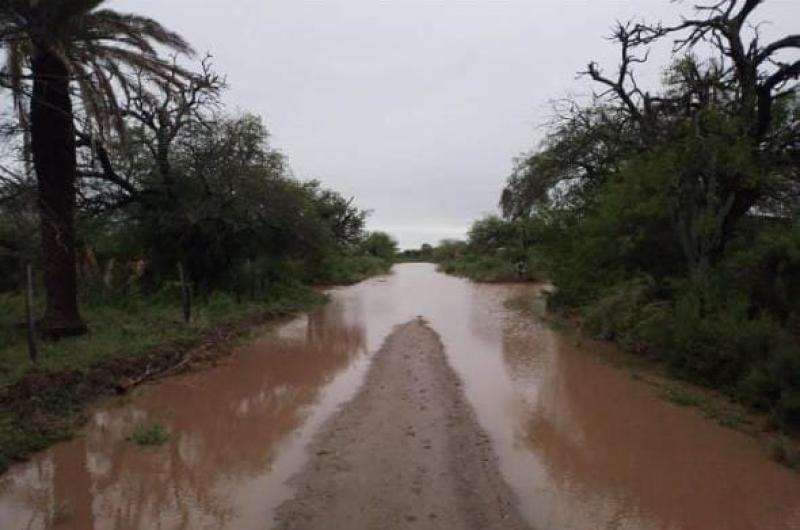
58 50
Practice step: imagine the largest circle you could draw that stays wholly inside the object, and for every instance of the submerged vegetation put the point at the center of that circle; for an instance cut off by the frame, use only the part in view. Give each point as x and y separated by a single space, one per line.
667 219
149 434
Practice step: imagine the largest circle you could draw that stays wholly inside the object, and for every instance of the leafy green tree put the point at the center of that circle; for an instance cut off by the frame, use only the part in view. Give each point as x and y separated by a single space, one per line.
449 249
230 203
380 245
221 201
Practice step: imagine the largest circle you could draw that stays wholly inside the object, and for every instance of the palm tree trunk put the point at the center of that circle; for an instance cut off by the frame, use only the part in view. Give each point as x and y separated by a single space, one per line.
54 158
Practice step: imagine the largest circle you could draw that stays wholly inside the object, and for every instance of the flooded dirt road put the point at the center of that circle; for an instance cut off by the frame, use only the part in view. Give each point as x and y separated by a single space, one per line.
406 451
581 445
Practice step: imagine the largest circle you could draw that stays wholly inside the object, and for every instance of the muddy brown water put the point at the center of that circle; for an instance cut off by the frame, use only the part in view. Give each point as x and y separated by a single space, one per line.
581 444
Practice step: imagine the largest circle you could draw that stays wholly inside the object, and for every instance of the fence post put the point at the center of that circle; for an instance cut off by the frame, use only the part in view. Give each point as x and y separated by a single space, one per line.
33 351
186 295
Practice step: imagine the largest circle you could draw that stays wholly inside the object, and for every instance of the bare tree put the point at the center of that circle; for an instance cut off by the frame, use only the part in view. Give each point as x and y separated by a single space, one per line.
746 79
117 169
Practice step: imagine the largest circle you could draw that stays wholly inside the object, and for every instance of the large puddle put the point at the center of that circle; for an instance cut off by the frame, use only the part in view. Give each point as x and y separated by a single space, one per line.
583 445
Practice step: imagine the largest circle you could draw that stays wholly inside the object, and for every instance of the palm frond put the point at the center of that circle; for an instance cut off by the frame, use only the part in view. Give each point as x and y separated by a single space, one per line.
105 51
138 30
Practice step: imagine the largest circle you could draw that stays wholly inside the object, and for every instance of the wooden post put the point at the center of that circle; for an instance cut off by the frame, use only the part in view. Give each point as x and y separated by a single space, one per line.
33 351
186 295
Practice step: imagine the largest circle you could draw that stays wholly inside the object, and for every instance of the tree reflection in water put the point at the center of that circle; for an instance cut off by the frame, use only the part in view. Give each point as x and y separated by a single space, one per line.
227 422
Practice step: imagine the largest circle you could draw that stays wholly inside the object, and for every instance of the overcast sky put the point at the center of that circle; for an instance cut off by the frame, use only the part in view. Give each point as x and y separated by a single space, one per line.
415 108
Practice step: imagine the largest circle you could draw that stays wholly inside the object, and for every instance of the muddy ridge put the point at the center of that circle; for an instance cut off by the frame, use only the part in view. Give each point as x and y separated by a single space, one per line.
405 452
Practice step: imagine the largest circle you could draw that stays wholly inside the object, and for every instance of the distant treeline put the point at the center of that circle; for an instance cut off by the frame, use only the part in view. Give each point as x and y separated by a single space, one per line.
496 250
668 220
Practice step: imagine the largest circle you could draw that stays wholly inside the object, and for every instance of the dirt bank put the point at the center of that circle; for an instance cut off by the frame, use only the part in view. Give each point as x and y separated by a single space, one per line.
406 452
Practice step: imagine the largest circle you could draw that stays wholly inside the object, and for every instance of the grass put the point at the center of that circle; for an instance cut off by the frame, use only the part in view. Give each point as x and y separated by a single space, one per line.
681 397
785 452
117 330
127 327
485 269
724 412
43 403
347 270
149 434
729 415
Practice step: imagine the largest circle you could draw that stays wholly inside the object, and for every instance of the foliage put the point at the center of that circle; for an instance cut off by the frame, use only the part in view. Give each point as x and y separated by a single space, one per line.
422 254
224 204
372 254
149 434
379 245
346 270
129 326
681 397
497 250
785 452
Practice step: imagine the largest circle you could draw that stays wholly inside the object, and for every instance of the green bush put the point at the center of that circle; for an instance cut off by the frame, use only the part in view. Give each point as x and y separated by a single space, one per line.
149 434
774 385
344 270
498 267
784 452
709 334
717 346
617 313
220 302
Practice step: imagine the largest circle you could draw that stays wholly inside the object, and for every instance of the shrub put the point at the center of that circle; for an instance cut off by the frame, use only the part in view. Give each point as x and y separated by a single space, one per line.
783 452
149 434
618 313
718 347
350 269
774 385
706 334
